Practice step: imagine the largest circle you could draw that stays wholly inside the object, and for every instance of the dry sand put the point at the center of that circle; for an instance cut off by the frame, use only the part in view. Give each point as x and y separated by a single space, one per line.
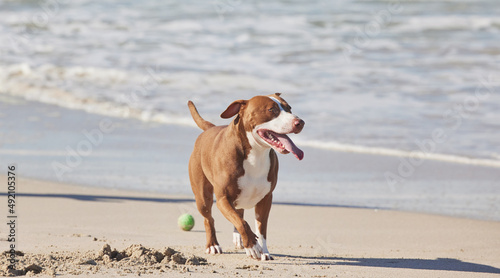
72 231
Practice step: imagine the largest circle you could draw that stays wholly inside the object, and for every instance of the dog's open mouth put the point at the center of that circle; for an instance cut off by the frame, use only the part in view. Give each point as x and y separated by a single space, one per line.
280 142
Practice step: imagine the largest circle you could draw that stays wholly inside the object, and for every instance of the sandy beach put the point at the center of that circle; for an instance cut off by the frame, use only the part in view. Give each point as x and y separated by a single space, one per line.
62 229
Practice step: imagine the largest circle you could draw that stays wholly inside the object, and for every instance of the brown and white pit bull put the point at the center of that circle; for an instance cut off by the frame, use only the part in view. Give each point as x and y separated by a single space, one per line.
239 164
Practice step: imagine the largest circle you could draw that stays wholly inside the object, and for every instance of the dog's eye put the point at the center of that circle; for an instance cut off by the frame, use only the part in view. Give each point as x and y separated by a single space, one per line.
273 110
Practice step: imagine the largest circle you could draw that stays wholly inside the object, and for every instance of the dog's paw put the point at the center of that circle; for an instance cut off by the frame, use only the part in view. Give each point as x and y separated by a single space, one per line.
237 240
214 249
254 252
266 257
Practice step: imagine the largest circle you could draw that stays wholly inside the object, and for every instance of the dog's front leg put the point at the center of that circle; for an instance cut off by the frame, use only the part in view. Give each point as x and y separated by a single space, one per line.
248 238
262 210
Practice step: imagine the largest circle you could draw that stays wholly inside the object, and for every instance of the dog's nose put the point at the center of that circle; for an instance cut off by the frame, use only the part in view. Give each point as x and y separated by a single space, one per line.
298 125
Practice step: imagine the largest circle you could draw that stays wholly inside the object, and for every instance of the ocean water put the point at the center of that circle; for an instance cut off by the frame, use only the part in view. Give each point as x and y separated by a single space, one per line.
367 76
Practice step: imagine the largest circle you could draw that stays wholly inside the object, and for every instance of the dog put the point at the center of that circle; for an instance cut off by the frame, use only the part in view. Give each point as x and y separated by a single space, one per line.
238 163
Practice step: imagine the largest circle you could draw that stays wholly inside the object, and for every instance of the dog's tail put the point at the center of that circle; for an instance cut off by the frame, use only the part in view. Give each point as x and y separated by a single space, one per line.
197 118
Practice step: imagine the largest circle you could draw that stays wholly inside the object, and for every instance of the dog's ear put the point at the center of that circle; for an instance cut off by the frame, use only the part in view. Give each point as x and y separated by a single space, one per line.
277 94
233 109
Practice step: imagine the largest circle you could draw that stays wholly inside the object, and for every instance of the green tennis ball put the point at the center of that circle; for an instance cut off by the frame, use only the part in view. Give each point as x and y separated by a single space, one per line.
186 222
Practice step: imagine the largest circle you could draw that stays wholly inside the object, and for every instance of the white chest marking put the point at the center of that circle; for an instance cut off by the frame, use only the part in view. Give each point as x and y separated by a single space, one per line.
254 184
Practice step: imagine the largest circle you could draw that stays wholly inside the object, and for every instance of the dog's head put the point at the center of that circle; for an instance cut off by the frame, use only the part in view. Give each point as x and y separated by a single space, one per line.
267 120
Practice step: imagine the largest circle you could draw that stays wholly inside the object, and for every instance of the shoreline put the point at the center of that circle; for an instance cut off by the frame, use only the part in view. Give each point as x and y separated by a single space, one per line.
75 221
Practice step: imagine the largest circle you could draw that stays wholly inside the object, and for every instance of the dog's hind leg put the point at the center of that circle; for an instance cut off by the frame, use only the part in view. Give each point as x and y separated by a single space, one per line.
204 196
236 235
204 204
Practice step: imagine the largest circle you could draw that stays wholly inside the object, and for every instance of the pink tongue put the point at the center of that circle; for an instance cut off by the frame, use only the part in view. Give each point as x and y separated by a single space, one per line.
289 145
